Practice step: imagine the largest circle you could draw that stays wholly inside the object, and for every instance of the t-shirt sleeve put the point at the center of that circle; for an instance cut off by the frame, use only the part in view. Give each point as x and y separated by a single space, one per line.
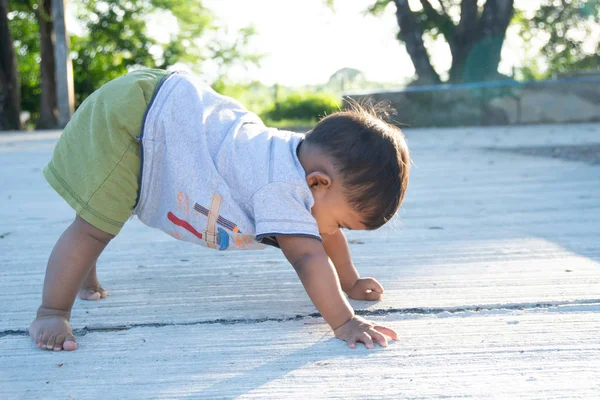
283 209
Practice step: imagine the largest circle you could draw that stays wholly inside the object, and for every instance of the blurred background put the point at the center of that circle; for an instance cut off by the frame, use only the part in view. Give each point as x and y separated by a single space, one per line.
438 62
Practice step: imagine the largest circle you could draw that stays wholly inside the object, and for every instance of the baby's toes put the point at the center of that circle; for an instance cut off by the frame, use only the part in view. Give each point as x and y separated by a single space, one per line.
44 340
50 342
70 343
38 340
89 294
58 343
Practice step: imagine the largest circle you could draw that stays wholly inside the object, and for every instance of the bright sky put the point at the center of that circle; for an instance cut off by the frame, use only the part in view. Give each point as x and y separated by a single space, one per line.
304 42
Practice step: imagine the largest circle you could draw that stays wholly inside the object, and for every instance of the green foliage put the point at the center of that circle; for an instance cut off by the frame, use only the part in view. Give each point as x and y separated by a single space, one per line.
282 106
568 27
303 106
435 23
378 7
297 109
295 124
255 96
461 24
24 30
571 44
116 40
260 98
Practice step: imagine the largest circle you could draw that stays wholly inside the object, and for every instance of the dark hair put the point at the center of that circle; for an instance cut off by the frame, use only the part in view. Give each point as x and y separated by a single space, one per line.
370 154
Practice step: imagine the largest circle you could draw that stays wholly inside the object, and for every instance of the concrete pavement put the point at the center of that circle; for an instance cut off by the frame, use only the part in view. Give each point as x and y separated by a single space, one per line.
492 278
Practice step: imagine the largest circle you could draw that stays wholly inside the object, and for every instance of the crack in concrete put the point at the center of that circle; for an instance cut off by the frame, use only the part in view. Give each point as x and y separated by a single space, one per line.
369 313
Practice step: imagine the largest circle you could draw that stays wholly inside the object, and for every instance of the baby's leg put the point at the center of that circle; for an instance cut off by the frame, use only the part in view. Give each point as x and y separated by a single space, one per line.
70 263
91 288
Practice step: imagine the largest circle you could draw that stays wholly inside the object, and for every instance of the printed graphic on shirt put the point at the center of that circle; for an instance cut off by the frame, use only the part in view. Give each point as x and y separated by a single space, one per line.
221 221
222 237
184 224
213 236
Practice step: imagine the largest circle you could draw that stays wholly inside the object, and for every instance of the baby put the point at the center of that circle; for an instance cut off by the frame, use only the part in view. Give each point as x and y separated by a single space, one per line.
199 166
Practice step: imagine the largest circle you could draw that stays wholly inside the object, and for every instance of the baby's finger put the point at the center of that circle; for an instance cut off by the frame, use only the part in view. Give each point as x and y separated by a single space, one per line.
352 343
366 339
371 295
374 285
378 338
386 331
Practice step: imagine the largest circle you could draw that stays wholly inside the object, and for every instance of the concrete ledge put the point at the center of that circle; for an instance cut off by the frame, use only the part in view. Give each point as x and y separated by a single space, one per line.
495 103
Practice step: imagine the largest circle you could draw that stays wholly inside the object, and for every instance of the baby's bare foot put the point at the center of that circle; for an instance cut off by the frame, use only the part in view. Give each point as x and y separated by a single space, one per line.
91 288
52 332
92 293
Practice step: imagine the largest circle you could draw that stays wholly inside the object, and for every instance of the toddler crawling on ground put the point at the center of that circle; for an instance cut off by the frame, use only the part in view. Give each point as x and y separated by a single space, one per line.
199 166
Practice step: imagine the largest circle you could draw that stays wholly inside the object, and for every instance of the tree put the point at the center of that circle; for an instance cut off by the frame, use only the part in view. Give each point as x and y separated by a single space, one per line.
63 65
26 40
43 13
346 78
36 57
10 93
116 40
475 34
570 42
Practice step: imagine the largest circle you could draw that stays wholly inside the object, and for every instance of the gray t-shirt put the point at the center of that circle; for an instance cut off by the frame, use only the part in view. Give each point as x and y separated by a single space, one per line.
213 174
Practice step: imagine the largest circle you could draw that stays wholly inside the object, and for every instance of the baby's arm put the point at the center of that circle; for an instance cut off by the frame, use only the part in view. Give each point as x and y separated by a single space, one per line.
336 247
310 261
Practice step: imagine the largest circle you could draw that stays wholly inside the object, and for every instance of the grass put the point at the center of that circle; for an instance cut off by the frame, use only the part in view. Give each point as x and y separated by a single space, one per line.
299 125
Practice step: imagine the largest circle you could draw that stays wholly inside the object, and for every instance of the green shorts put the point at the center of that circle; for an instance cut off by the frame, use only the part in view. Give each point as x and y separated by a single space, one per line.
96 162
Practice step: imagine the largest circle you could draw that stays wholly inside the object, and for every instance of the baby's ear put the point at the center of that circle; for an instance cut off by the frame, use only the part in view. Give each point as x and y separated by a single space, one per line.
318 179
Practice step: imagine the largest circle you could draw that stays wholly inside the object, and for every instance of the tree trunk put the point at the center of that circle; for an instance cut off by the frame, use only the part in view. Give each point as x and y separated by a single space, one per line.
47 118
412 35
64 68
483 57
10 87
465 36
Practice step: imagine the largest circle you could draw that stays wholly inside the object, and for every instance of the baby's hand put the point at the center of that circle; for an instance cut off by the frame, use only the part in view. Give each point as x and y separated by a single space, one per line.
366 289
360 330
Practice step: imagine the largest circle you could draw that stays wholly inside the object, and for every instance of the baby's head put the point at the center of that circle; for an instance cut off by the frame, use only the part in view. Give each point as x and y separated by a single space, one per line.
357 168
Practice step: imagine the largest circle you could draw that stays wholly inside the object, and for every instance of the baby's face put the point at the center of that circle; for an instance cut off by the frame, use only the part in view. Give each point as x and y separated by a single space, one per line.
332 212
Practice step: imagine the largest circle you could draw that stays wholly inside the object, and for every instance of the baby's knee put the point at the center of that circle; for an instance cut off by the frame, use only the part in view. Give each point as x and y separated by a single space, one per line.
90 230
